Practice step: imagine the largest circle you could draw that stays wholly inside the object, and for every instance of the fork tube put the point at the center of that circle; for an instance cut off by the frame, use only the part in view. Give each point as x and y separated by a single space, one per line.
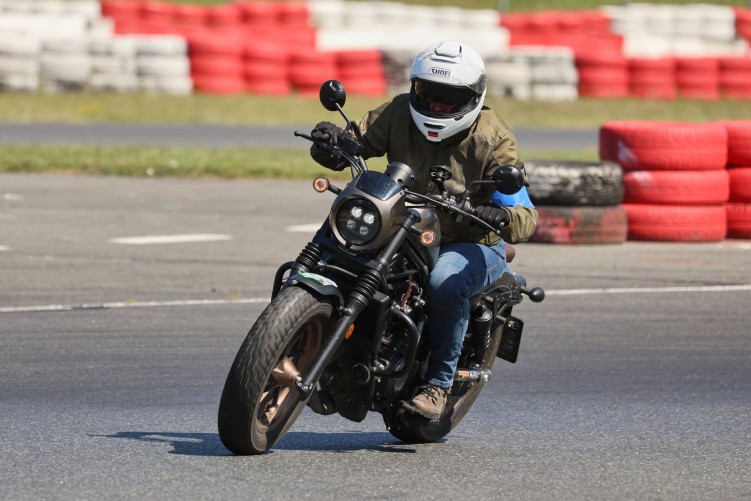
358 299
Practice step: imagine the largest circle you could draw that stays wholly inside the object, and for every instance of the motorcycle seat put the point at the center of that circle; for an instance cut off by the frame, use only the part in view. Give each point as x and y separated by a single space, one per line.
510 252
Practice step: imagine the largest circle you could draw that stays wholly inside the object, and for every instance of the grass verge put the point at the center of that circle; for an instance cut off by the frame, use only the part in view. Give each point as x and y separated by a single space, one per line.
269 110
192 162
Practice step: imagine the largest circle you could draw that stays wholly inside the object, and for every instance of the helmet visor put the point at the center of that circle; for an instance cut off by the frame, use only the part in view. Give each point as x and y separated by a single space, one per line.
441 100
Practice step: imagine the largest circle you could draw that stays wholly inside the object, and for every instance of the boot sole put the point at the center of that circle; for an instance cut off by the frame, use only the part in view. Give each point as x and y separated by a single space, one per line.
433 418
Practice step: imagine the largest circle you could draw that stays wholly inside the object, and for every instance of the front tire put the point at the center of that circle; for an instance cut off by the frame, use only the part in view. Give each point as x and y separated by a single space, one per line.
259 402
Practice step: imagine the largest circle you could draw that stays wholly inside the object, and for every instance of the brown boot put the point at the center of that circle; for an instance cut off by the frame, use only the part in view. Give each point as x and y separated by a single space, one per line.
429 402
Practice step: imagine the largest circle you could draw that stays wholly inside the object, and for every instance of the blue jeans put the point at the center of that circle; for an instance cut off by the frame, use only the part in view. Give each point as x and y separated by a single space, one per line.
463 269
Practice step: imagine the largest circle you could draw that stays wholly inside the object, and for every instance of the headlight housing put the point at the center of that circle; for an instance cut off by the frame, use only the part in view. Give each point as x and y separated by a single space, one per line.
358 221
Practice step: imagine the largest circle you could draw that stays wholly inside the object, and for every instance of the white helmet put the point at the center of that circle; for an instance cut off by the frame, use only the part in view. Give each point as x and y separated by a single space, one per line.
448 73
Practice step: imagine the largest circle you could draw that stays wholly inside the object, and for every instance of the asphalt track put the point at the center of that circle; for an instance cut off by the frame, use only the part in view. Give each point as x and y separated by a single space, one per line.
234 136
123 301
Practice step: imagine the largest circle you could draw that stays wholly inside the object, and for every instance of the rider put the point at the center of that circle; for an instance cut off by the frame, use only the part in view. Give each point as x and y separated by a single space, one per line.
443 121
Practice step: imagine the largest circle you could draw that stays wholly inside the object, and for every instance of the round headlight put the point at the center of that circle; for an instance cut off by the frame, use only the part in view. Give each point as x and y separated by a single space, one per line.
358 221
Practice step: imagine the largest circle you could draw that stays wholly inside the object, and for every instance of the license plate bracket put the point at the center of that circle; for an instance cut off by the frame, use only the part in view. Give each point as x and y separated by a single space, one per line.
511 338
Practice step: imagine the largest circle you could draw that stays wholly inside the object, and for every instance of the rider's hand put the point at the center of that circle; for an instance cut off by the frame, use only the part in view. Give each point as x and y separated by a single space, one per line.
495 216
324 131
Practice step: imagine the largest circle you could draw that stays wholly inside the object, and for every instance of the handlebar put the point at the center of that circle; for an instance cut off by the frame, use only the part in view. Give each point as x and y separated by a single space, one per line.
340 147
344 148
453 206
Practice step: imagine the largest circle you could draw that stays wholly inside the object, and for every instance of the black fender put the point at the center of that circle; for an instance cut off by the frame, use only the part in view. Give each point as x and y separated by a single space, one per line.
317 284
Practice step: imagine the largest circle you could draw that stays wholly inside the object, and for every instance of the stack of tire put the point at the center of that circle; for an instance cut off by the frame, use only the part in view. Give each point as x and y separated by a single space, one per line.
361 71
652 78
743 22
735 77
603 72
578 202
738 208
675 181
698 77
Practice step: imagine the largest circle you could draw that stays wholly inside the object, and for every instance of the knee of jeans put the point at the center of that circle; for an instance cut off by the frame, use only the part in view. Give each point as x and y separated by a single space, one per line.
453 287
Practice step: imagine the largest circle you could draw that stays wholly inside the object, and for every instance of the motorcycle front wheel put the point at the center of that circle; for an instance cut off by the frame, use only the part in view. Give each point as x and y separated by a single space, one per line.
259 402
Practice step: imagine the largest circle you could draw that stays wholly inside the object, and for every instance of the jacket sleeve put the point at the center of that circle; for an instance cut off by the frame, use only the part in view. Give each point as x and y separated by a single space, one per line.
522 225
524 216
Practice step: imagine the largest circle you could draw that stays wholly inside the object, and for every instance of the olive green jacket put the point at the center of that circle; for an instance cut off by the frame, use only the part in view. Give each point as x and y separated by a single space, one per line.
470 155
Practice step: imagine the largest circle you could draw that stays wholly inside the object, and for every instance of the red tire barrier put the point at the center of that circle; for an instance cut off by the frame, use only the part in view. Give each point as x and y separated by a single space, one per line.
225 16
652 78
676 187
740 184
676 223
738 220
215 65
219 84
603 70
191 15
158 12
655 145
603 82
580 225
735 77
361 72
739 141
698 78
259 13
125 10
309 69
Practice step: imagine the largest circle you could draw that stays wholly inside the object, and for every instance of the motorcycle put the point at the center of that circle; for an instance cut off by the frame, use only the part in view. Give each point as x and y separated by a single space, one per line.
345 331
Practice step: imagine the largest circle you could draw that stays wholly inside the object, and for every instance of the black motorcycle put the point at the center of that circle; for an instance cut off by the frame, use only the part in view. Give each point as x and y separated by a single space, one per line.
345 330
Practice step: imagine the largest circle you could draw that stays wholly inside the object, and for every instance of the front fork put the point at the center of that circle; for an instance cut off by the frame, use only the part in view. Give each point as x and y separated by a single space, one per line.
363 291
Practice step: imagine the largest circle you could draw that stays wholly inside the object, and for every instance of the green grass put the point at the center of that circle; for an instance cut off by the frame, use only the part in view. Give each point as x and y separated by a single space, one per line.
189 162
296 110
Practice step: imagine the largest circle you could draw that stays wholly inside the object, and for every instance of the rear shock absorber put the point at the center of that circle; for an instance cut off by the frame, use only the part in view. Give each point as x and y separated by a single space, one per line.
482 319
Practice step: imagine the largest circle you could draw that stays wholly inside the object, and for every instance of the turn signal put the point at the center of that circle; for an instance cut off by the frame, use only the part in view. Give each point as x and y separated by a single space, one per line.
320 184
427 238
349 332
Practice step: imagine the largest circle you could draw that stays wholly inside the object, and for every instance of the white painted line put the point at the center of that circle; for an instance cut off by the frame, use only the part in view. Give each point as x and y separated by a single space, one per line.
649 290
4 248
128 304
303 228
170 239
252 300
13 197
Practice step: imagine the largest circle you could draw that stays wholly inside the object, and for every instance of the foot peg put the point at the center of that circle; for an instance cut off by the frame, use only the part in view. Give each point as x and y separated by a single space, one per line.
472 375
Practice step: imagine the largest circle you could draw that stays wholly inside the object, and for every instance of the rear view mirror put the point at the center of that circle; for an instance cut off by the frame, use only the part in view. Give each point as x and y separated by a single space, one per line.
332 95
509 179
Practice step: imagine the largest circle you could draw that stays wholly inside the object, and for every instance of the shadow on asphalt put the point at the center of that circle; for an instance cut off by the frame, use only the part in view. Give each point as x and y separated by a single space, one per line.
209 444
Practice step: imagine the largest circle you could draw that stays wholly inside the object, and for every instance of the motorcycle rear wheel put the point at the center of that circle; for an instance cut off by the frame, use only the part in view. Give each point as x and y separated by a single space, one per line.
259 402
414 429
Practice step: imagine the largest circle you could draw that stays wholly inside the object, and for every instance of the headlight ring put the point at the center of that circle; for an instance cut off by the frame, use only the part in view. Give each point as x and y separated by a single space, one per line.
358 221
